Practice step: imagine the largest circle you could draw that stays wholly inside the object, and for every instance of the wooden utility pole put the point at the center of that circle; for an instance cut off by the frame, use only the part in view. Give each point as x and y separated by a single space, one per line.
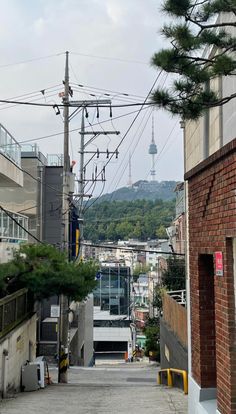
63 363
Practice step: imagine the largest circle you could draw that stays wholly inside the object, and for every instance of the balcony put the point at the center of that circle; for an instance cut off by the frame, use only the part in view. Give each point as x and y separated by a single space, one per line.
10 160
11 234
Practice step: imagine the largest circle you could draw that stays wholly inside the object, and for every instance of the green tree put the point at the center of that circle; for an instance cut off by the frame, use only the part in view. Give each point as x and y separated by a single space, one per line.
173 278
45 271
196 28
157 299
125 219
152 333
161 232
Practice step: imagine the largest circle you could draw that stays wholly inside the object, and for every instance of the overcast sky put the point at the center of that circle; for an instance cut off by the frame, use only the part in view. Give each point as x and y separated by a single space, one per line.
110 44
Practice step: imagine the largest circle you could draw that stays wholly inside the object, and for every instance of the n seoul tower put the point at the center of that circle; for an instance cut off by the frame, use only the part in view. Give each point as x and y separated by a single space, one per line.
153 151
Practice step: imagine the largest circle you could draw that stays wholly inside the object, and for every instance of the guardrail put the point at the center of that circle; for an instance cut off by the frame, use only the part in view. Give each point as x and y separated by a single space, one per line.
9 146
169 372
178 295
14 309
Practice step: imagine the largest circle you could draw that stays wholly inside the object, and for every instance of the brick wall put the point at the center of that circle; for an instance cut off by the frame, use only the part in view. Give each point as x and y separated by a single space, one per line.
212 227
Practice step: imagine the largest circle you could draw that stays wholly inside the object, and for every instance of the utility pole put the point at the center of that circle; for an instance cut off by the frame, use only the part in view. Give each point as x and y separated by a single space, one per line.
64 322
94 134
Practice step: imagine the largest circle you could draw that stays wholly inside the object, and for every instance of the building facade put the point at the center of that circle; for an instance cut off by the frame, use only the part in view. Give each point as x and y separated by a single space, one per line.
112 313
210 174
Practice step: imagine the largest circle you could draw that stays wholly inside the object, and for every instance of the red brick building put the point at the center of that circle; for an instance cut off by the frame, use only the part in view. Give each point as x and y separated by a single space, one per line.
212 228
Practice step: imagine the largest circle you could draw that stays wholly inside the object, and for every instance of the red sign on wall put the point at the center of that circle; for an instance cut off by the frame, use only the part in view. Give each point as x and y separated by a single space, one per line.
219 263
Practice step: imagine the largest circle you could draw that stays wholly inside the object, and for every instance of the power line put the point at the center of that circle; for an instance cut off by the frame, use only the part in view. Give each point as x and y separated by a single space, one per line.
20 225
110 58
163 83
136 145
2 107
75 129
94 88
42 182
94 201
103 246
30 60
35 93
71 105
132 123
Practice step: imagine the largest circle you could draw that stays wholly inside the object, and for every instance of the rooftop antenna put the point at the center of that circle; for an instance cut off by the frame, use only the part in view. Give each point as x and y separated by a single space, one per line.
153 151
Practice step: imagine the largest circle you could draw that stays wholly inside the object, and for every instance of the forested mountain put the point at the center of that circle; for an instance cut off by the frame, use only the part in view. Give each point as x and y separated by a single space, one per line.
143 190
140 219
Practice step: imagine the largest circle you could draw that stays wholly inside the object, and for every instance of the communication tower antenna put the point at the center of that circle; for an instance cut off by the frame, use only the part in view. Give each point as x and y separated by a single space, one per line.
153 151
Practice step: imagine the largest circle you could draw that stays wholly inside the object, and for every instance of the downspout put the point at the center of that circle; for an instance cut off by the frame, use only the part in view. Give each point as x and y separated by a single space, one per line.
183 125
4 372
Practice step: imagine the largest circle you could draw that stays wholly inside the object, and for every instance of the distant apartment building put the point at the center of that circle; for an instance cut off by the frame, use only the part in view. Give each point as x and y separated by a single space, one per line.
177 231
140 290
112 313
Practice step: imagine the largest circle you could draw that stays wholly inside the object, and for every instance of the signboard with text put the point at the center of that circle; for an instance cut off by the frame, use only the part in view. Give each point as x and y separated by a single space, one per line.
219 263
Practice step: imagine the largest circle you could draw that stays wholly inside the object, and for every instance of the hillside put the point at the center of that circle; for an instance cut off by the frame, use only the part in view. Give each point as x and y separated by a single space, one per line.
141 219
143 190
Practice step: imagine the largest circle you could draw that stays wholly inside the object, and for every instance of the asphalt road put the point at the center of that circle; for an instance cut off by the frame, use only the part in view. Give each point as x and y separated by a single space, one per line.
127 388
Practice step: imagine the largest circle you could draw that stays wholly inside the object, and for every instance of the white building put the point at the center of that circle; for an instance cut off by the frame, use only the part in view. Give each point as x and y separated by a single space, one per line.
112 313
11 177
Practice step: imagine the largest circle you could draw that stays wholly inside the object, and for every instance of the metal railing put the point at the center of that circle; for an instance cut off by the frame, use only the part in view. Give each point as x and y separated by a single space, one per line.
14 309
55 160
178 295
9 146
169 373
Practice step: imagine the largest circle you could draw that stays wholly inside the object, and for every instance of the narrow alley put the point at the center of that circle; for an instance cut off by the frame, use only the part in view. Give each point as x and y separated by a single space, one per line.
129 388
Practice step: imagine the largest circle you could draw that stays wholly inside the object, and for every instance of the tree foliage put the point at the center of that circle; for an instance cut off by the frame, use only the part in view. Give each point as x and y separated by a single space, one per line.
140 219
45 271
202 48
152 333
173 278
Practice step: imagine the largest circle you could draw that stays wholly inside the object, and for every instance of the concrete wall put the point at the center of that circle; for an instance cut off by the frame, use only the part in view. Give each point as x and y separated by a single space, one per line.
81 345
20 345
52 205
173 353
10 174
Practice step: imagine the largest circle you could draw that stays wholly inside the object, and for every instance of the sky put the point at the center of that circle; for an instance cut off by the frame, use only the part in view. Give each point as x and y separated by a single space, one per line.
110 44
